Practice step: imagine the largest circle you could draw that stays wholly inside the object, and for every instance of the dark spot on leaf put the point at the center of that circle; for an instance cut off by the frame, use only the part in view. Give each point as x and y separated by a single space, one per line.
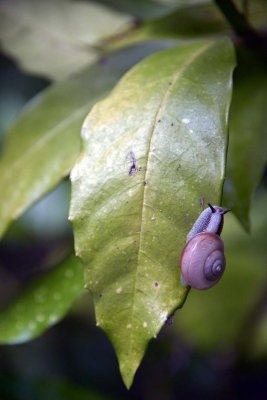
156 284
144 183
159 120
171 124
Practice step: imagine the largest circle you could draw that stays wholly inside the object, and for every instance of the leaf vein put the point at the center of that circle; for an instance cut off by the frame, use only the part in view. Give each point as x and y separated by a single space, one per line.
177 75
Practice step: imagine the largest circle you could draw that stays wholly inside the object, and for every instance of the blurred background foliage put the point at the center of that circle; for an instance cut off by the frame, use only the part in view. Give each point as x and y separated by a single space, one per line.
216 346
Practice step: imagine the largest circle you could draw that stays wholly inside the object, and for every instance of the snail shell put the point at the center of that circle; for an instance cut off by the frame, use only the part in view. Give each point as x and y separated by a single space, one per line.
203 261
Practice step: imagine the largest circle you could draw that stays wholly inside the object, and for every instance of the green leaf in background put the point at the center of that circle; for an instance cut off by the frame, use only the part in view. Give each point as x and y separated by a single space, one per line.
46 388
256 12
247 155
150 151
187 21
43 303
44 142
184 23
213 320
142 9
56 38
146 10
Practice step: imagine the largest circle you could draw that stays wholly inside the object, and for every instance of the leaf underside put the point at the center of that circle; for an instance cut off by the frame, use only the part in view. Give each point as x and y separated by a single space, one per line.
151 150
248 136
56 38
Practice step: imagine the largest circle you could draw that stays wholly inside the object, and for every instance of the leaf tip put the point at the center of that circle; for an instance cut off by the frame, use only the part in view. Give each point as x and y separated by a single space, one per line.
129 361
245 222
128 373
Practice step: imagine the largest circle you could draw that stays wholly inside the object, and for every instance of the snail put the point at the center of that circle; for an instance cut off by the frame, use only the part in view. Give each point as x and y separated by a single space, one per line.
202 259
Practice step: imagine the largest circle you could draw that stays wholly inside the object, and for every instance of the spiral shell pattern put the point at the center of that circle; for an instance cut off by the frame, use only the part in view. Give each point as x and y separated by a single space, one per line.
203 261
214 266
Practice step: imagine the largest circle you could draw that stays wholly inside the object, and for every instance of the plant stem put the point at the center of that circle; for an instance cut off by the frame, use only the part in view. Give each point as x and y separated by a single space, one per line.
241 26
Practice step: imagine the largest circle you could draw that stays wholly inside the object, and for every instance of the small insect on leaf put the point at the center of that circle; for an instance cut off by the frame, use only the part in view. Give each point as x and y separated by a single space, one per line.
133 168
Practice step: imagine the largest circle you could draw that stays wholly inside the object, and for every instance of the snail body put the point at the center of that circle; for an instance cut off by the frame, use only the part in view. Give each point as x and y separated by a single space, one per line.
202 259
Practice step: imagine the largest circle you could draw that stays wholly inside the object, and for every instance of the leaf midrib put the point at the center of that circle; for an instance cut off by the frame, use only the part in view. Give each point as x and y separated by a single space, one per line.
174 79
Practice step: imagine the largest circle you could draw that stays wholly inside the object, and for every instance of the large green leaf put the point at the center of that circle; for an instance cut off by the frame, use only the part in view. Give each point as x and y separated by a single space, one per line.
247 154
44 142
130 221
43 303
56 38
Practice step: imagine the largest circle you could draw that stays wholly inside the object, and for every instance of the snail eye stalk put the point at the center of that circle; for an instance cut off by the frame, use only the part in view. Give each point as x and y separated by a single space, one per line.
226 211
212 208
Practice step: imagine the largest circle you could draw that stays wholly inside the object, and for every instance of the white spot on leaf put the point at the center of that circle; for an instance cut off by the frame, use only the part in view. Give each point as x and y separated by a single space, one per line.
52 319
32 326
163 316
130 192
40 317
85 132
185 121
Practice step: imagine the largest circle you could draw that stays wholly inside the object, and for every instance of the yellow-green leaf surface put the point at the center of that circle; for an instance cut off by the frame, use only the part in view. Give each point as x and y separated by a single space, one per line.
43 144
56 38
42 304
151 150
247 154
